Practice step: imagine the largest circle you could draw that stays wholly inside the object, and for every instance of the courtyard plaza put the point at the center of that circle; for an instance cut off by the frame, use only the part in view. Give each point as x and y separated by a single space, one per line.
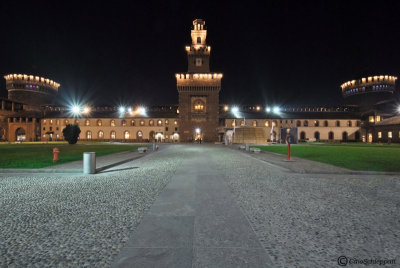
199 205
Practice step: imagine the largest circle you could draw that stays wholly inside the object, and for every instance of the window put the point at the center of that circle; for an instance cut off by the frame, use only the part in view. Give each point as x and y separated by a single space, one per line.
390 134
254 123
44 121
166 122
139 135
151 123
44 128
166 128
233 123
378 118
198 40
266 123
112 135
298 123
112 123
87 122
316 135
305 123
349 123
325 123
302 135
77 122
331 136
159 123
126 135
274 123
199 62
338 123
142 122
123 123
51 121
89 135
101 134
371 119
316 123
99 123
175 122
132 123
379 135
241 122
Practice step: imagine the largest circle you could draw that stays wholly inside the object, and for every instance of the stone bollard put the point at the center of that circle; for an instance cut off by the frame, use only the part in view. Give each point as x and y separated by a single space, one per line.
89 162
154 146
247 147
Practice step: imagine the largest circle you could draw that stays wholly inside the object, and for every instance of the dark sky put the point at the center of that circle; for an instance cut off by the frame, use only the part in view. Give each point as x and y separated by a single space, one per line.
271 52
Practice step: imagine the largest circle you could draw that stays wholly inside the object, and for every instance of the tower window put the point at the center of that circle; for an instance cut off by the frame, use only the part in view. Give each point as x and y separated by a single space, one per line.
199 62
198 40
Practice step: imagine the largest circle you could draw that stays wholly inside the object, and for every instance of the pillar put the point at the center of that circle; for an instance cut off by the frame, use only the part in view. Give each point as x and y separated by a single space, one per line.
3 104
12 106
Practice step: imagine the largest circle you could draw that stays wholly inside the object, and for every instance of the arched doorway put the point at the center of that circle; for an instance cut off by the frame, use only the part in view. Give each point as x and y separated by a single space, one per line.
357 135
316 135
302 135
152 135
20 134
344 136
2 134
331 136
139 135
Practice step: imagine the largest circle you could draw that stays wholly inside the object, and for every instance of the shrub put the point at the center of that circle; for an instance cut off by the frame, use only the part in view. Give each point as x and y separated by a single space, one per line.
71 133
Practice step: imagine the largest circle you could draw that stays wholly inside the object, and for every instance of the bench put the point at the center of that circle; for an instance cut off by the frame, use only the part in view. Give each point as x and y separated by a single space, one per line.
142 150
242 147
255 150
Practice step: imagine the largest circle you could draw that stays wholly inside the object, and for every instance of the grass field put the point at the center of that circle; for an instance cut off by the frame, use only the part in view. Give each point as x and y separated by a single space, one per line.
41 155
369 157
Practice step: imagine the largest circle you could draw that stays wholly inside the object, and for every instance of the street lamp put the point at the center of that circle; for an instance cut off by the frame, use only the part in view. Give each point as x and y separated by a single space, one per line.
76 109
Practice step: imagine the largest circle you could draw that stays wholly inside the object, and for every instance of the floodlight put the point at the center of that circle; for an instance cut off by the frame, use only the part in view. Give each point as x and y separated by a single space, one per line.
76 109
86 110
129 110
121 109
268 110
142 110
277 110
197 130
235 109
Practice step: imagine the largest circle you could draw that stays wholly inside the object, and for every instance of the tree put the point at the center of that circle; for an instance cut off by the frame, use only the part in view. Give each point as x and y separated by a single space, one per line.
71 133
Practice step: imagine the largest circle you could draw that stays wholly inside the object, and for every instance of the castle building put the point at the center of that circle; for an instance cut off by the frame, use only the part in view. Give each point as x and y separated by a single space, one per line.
367 114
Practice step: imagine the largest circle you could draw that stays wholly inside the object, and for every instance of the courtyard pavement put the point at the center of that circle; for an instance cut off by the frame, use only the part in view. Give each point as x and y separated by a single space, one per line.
199 206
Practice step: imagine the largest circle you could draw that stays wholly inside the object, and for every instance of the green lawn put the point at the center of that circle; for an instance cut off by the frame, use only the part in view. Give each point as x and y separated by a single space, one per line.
40 155
373 157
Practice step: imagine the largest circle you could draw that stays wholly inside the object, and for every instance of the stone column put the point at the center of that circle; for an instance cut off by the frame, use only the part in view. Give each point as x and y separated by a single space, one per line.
12 106
3 104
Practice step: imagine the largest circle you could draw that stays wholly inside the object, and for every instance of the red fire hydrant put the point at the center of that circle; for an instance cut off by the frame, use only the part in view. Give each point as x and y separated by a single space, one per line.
55 154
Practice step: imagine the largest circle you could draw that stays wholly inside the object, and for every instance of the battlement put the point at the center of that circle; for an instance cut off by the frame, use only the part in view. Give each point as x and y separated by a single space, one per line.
25 79
206 76
371 80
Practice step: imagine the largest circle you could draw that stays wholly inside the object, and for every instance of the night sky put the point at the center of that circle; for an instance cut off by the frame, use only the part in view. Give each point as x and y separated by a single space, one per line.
270 52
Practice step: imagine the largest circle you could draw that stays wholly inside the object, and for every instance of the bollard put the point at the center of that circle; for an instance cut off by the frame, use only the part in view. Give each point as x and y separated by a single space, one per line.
56 151
288 152
89 162
247 147
154 146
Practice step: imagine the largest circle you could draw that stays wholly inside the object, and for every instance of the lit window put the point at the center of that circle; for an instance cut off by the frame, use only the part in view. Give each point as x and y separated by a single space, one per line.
89 135
199 106
379 135
123 123
159 123
87 123
371 119
254 123
77 122
51 121
140 134
233 123
274 123
99 123
66 122
44 121
390 134
266 123
241 122
166 122
126 135
132 123
175 122
316 123
112 123
378 118
101 134
151 123
142 122
112 135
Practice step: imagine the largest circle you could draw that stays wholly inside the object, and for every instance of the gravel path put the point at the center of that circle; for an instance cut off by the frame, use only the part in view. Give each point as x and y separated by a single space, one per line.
310 220
77 221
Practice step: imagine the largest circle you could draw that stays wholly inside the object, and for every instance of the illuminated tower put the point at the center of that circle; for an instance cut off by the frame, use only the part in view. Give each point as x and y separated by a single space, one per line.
198 90
29 89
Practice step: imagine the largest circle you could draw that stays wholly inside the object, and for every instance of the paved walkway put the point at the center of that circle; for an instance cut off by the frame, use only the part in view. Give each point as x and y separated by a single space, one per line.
195 222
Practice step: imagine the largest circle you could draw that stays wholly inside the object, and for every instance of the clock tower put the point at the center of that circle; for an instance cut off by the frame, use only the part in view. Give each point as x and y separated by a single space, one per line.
198 90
